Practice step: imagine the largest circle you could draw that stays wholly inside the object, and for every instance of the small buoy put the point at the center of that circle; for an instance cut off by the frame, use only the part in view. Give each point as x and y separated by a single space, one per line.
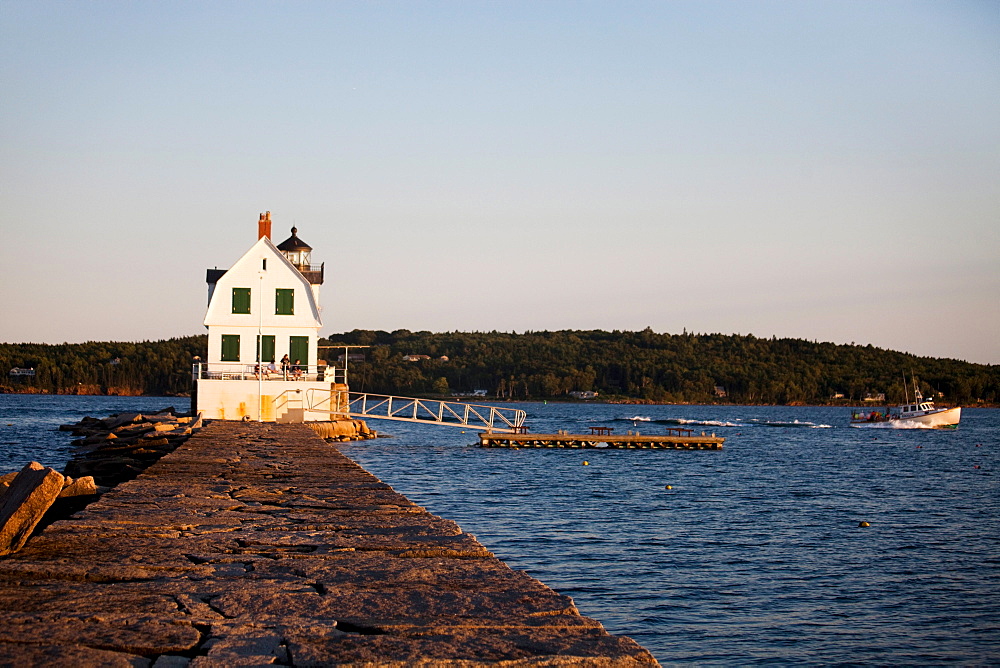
586 463
976 466
670 486
863 524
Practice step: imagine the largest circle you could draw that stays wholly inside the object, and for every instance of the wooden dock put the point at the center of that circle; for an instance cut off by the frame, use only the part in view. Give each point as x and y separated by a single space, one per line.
604 438
260 544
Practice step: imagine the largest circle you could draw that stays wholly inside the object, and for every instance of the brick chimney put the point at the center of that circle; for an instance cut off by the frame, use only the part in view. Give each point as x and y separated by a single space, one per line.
264 225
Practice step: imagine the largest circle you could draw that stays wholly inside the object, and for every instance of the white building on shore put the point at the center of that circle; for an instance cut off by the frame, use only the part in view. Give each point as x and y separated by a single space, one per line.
263 323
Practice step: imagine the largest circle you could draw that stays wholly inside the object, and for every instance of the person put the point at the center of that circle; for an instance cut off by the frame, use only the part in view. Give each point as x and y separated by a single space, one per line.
284 366
298 369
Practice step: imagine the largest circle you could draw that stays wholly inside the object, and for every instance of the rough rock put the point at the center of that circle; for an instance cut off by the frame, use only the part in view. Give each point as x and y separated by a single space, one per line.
342 430
24 504
117 448
84 486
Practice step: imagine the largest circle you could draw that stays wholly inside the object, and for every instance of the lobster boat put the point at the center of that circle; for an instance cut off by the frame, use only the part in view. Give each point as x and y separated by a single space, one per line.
920 414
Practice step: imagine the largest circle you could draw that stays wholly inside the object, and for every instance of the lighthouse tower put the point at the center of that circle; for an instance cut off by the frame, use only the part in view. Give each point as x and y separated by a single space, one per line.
263 321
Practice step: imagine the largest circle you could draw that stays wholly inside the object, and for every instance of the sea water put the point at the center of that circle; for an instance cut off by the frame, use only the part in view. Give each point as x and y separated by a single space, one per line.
749 554
29 423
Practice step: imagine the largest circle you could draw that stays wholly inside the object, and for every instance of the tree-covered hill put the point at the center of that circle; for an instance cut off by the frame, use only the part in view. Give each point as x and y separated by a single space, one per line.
540 365
102 367
654 367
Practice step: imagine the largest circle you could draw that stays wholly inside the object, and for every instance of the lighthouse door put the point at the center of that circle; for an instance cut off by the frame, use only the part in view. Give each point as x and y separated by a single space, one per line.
298 350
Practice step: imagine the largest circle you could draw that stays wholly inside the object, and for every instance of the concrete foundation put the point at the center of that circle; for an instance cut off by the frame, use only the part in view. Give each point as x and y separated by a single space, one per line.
285 401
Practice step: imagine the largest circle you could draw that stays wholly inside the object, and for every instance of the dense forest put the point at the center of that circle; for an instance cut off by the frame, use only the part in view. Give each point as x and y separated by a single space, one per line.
619 366
661 368
98 367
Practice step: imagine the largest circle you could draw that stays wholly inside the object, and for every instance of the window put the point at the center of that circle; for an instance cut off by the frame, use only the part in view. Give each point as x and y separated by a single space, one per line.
284 301
298 350
230 347
241 300
265 353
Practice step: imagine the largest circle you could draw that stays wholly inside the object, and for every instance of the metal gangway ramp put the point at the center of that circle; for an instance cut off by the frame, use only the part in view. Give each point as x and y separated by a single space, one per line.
409 409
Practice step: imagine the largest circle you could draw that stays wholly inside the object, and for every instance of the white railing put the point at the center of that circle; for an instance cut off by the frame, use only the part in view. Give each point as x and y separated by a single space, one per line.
408 409
266 372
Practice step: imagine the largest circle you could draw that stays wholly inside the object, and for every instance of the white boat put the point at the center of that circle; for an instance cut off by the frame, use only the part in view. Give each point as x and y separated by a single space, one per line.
921 413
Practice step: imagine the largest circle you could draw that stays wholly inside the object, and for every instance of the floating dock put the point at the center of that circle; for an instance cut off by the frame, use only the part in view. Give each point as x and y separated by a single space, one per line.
261 544
676 439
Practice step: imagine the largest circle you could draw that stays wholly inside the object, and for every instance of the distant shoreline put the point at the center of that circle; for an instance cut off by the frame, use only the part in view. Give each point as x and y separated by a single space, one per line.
72 392
555 400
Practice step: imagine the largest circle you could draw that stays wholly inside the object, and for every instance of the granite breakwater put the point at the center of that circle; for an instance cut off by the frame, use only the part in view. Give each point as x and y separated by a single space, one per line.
260 544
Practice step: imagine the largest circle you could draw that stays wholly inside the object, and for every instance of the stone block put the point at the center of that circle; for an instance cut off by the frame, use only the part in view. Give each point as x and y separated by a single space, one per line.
122 419
31 493
84 486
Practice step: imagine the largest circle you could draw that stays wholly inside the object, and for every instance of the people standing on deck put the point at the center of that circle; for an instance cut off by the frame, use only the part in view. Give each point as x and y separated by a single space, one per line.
285 363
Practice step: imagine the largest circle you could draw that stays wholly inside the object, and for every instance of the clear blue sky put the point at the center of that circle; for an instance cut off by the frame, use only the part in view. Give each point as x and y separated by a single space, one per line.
819 170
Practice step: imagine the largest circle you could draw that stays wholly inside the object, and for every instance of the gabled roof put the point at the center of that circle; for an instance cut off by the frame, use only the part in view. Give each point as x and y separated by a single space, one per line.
246 269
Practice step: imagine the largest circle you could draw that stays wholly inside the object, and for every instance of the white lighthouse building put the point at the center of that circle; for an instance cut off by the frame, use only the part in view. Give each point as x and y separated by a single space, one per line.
263 323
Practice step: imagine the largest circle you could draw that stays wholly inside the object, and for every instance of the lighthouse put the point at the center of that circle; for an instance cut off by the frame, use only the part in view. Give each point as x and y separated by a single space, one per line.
263 321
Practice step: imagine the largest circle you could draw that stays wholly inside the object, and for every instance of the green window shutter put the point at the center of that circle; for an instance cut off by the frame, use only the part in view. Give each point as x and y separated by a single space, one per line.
284 301
241 300
267 353
298 349
230 347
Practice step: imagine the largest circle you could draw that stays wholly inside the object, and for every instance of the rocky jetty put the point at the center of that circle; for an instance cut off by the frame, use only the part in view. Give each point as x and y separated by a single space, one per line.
112 450
260 544
118 448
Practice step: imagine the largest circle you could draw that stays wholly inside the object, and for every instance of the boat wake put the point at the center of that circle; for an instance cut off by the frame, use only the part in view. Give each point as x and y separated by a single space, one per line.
892 424
793 424
704 423
739 423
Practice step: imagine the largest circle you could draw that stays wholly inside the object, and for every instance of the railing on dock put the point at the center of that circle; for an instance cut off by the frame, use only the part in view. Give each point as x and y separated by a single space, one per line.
266 372
409 409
